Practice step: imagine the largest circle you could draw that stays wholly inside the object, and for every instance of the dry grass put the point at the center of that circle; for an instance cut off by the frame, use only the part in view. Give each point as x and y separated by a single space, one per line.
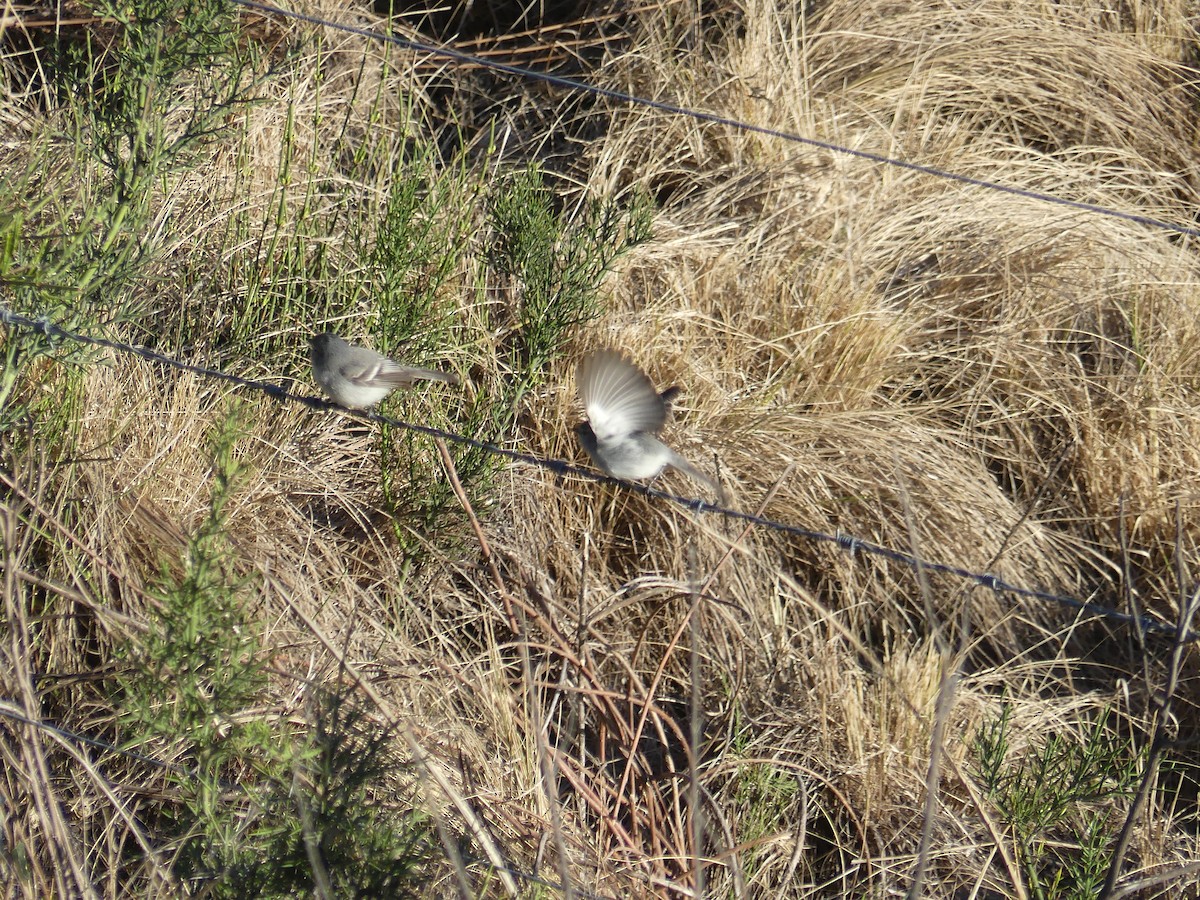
984 380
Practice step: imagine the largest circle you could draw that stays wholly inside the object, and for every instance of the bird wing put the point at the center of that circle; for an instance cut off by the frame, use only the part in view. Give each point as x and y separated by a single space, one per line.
381 371
370 369
687 468
618 397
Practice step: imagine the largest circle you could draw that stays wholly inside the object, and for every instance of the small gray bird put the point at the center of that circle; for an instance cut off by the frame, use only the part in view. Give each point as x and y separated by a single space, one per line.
625 413
357 377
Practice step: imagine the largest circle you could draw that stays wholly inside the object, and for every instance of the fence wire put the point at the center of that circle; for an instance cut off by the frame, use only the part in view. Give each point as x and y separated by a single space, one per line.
460 58
562 467
849 543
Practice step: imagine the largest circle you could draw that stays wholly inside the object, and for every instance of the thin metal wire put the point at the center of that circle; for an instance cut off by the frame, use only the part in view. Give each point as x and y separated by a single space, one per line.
561 467
98 743
459 56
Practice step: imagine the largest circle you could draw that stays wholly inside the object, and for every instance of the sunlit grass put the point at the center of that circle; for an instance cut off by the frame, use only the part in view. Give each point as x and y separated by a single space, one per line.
380 686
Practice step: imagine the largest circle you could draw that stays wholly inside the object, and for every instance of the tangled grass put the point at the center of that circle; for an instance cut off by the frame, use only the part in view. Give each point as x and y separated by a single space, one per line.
329 659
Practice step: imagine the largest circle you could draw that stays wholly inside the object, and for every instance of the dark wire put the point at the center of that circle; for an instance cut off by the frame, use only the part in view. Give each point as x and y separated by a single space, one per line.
571 84
561 467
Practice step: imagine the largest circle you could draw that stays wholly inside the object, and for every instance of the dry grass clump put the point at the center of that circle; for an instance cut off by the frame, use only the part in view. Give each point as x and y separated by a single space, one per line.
874 310
1033 324
601 689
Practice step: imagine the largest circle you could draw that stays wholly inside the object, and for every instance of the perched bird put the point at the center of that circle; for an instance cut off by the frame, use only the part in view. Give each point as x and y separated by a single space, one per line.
357 377
625 413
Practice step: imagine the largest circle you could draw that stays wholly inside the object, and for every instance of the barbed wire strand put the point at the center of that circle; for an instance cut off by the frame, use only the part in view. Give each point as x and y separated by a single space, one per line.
562 467
99 743
572 84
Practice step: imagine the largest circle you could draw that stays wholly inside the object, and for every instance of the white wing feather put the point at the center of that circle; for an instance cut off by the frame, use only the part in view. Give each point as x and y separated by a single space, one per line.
385 371
619 399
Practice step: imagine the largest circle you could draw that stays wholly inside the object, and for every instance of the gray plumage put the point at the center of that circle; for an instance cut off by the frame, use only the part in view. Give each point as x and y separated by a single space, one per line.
625 413
357 377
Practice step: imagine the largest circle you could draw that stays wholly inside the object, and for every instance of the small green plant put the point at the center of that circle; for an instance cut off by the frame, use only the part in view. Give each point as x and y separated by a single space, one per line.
420 244
556 264
262 809
550 267
197 671
201 659
417 260
48 413
548 270
327 826
159 87
140 95
764 796
1056 800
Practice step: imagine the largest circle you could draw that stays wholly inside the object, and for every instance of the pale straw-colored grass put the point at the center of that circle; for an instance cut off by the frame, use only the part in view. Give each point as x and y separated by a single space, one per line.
980 379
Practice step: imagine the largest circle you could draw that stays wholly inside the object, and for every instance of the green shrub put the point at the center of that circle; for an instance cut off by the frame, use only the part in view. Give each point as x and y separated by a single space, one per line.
1057 799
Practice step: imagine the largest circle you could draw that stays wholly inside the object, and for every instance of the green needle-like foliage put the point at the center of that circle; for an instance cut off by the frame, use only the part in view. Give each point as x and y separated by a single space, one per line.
1057 801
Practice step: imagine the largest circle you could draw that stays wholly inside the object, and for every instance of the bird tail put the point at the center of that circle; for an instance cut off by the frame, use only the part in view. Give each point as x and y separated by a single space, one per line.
412 373
696 474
